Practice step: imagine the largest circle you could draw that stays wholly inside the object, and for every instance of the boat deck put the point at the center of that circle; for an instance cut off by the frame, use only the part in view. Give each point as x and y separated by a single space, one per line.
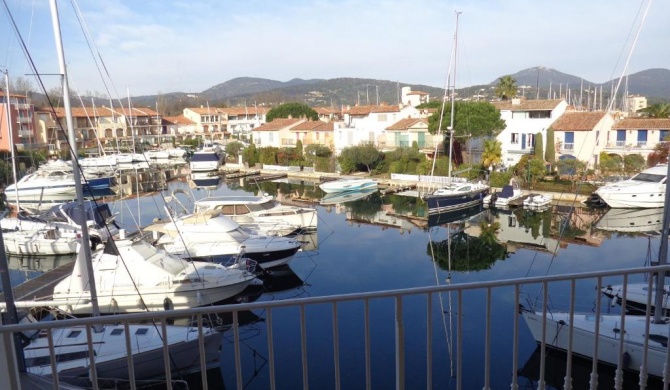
42 286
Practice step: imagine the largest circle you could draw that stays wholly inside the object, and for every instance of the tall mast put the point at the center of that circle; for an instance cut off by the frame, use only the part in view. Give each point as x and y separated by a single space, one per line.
11 140
453 97
85 241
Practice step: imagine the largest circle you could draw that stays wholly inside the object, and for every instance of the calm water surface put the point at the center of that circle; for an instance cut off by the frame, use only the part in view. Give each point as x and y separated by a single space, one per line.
381 243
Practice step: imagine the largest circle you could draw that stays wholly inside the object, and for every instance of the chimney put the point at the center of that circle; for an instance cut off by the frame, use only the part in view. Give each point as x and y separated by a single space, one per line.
516 101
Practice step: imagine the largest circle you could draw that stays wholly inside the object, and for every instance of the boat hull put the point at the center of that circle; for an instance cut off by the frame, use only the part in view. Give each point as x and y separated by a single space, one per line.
348 185
557 333
445 203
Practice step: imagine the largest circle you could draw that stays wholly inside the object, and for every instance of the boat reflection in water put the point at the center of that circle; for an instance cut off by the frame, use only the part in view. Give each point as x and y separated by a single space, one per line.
347 196
279 279
454 215
204 180
632 220
555 370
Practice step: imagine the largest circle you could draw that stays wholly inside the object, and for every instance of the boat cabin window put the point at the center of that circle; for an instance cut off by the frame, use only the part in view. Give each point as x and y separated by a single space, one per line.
465 188
116 332
241 209
141 331
61 358
663 340
74 334
227 209
648 177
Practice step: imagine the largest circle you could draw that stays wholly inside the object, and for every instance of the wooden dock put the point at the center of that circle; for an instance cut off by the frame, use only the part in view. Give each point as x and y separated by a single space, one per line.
240 174
270 177
41 287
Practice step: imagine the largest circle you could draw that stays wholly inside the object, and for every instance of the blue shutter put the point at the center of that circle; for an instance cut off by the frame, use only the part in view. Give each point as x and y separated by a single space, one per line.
523 141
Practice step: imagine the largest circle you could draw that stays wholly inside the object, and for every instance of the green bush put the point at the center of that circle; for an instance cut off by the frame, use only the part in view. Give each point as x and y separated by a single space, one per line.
499 179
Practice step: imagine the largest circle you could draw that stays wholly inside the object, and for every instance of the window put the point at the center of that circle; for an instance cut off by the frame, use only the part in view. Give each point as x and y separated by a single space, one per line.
74 334
515 138
116 332
381 117
141 331
270 137
531 140
663 135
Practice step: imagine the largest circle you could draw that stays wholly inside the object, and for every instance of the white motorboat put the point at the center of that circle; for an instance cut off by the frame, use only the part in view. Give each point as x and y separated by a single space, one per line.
133 276
263 210
207 159
56 231
156 154
212 237
109 348
43 185
644 190
558 326
503 198
537 201
347 185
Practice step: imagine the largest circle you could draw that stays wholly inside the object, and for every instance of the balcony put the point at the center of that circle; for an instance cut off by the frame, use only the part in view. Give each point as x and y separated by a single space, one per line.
339 340
568 147
24 119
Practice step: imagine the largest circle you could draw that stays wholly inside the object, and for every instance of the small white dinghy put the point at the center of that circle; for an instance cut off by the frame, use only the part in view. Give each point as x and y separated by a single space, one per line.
537 201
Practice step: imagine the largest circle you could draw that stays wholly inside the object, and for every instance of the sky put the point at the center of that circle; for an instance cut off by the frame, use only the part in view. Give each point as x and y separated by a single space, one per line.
149 47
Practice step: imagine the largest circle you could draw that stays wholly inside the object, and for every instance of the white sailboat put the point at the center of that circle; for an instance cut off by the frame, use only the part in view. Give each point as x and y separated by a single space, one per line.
69 344
455 194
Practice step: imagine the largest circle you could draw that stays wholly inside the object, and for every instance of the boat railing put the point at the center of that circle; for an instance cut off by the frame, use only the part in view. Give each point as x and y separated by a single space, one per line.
390 317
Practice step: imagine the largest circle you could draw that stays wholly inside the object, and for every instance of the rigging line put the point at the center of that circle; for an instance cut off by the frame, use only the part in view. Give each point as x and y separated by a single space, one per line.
444 102
447 334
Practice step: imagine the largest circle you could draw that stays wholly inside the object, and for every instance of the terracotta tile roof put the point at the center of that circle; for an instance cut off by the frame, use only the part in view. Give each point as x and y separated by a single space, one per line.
578 121
527 105
366 110
642 123
83 112
178 120
406 123
325 110
278 124
313 126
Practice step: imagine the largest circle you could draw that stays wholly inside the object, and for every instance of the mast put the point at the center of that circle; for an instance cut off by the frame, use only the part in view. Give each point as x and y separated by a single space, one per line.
662 254
11 141
85 240
130 119
453 97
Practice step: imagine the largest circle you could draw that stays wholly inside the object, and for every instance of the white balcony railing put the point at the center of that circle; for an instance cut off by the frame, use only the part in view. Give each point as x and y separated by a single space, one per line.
418 309
568 146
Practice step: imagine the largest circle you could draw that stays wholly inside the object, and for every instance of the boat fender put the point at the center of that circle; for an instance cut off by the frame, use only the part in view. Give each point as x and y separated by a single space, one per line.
167 304
626 360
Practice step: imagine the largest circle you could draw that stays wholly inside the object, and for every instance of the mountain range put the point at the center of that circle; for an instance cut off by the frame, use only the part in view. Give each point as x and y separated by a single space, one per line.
652 83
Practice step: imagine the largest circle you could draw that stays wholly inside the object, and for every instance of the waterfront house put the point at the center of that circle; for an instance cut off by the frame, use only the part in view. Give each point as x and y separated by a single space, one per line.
413 98
582 135
314 132
367 124
524 119
21 114
276 133
180 127
209 122
242 120
406 132
637 136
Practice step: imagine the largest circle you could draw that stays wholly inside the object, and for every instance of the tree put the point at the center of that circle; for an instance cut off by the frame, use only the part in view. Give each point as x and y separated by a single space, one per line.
233 149
633 163
656 111
293 110
476 119
298 147
530 169
539 146
506 88
492 154
355 157
610 164
22 85
550 154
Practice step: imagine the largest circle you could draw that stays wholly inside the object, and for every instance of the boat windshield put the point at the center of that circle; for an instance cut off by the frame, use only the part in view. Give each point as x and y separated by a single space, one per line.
648 177
261 206
205 157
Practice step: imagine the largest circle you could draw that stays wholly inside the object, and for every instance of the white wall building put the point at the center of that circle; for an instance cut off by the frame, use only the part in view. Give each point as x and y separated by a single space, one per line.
413 98
367 124
582 135
524 119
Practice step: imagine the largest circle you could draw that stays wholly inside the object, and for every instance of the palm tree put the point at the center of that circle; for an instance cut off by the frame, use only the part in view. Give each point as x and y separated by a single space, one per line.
492 153
506 88
656 111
